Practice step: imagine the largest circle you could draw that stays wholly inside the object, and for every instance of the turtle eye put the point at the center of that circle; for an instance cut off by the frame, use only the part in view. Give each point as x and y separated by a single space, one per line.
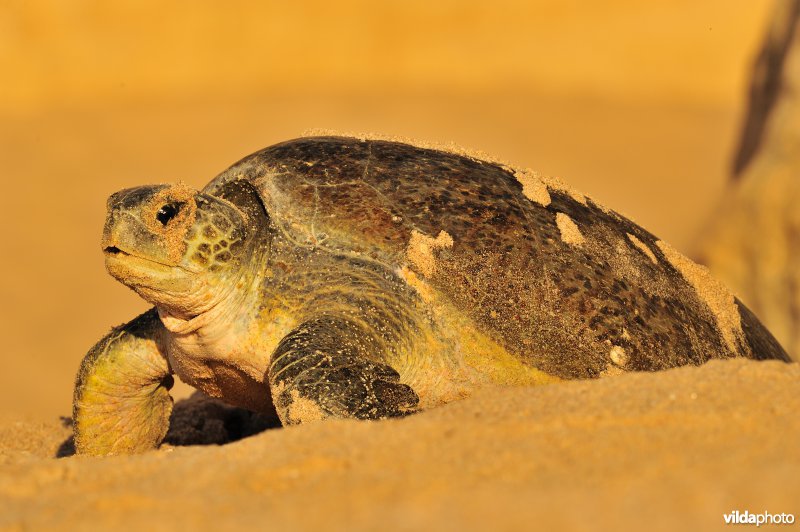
167 212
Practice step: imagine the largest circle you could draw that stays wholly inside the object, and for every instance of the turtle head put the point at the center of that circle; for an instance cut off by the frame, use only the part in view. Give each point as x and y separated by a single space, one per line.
181 249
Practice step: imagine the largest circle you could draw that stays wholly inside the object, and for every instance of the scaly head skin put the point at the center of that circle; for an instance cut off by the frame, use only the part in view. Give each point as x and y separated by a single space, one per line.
180 249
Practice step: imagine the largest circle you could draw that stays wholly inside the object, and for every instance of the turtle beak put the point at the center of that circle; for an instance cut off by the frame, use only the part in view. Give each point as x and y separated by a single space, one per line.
124 231
109 242
132 254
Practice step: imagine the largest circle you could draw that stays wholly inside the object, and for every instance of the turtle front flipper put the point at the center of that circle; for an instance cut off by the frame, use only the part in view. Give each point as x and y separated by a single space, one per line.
331 367
121 402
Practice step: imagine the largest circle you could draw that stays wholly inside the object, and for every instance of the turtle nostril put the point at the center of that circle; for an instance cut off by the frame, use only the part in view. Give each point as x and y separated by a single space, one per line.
113 250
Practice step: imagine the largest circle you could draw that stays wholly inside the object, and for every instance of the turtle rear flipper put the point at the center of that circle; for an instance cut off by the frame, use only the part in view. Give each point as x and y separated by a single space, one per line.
330 367
121 402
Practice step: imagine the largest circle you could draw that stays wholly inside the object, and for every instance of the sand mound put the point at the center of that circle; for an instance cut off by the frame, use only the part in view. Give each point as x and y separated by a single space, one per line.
658 450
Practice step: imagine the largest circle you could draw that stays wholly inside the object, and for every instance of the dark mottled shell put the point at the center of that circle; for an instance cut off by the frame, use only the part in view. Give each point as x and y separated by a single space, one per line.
561 306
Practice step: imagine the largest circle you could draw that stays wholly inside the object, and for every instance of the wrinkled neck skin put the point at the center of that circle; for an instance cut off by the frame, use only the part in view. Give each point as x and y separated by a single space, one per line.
212 306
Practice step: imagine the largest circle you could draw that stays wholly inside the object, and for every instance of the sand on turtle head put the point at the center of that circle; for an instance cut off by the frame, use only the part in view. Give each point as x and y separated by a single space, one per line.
173 238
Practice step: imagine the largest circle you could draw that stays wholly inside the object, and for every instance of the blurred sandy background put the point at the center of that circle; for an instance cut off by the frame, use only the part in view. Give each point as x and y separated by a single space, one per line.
636 103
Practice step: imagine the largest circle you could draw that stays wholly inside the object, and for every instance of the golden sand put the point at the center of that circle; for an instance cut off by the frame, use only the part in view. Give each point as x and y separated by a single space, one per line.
659 451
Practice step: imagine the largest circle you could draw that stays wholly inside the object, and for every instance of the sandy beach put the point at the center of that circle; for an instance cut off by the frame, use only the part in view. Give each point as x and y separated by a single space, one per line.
661 451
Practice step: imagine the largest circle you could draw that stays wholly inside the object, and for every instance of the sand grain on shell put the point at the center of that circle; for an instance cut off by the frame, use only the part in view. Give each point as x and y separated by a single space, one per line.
303 410
554 183
450 147
533 187
420 250
644 248
521 174
618 355
715 294
569 230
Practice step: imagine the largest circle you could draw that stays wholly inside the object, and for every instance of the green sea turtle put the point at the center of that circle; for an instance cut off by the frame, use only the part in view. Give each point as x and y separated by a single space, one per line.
344 277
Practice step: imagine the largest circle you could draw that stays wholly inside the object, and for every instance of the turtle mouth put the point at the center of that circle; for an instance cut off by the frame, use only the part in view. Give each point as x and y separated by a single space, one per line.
113 250
113 253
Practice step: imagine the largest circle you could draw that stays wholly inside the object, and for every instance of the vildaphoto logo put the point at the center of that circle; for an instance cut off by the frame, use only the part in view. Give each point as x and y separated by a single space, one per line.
764 518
